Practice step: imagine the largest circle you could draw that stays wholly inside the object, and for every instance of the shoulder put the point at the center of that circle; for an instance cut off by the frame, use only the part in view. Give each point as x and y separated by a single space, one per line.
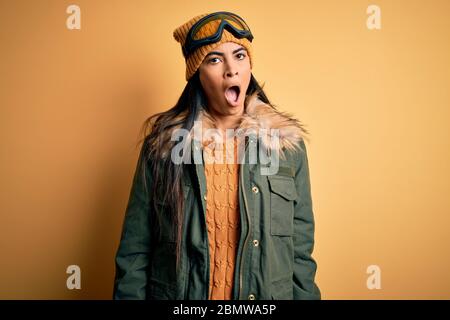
266 118
296 157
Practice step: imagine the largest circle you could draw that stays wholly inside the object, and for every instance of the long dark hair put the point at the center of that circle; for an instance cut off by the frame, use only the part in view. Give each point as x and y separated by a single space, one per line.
166 176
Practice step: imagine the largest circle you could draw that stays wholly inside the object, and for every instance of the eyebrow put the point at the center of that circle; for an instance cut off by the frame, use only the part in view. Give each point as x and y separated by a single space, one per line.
222 54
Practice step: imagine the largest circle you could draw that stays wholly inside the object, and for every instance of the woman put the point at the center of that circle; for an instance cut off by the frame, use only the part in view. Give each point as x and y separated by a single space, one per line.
199 227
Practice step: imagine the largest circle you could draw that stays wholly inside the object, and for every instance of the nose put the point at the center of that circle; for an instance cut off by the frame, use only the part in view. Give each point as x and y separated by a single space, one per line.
231 70
231 73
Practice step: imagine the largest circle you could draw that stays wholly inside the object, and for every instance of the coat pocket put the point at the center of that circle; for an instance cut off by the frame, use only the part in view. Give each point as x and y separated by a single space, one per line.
282 196
283 289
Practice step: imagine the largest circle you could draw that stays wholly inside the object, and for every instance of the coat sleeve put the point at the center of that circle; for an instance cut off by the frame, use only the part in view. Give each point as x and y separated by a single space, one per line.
133 255
304 265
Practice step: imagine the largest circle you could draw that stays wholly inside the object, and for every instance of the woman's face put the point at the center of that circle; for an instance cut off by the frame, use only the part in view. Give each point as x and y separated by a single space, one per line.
225 75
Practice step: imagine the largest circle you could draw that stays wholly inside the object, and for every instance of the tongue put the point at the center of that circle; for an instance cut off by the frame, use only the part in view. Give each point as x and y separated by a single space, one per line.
231 94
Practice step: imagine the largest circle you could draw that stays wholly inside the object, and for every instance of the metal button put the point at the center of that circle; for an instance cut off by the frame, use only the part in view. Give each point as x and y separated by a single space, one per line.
251 297
255 189
205 197
255 243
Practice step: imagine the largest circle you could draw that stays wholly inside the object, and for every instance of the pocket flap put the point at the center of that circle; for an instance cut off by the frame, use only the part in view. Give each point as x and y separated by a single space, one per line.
283 186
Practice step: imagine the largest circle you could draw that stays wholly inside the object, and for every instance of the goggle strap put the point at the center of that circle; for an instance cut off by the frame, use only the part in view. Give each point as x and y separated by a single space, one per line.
223 15
191 45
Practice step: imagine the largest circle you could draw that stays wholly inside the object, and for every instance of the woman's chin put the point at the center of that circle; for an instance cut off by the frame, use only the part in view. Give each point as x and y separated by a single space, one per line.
233 109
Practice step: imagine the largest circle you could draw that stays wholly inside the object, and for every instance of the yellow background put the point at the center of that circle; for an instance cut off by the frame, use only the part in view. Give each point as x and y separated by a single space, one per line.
376 103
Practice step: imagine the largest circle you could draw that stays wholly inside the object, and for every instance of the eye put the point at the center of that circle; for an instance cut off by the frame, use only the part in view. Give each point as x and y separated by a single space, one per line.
212 60
241 54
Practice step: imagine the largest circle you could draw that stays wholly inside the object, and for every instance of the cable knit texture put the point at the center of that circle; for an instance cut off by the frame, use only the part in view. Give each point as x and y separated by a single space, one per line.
222 217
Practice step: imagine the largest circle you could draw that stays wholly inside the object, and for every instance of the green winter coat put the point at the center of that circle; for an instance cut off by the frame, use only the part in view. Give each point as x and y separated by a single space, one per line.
277 227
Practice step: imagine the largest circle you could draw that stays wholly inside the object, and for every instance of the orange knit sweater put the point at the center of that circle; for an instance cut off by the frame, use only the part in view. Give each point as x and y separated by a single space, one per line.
223 221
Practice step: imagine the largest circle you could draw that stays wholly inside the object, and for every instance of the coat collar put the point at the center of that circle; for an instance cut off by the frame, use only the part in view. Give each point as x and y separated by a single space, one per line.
258 120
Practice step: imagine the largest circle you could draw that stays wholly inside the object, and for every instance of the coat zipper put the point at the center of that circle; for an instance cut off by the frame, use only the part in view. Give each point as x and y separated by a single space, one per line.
206 227
207 244
248 232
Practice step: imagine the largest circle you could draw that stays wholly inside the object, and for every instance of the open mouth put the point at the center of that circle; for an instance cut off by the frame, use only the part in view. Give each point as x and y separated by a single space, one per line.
232 94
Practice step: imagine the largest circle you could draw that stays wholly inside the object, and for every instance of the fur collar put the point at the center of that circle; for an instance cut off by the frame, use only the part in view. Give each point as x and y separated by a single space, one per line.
258 118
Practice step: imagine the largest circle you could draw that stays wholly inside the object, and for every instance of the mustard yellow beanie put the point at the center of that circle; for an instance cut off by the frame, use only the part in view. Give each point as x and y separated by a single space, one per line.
194 60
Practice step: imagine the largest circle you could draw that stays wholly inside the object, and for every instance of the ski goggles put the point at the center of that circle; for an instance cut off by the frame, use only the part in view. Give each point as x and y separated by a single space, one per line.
229 21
